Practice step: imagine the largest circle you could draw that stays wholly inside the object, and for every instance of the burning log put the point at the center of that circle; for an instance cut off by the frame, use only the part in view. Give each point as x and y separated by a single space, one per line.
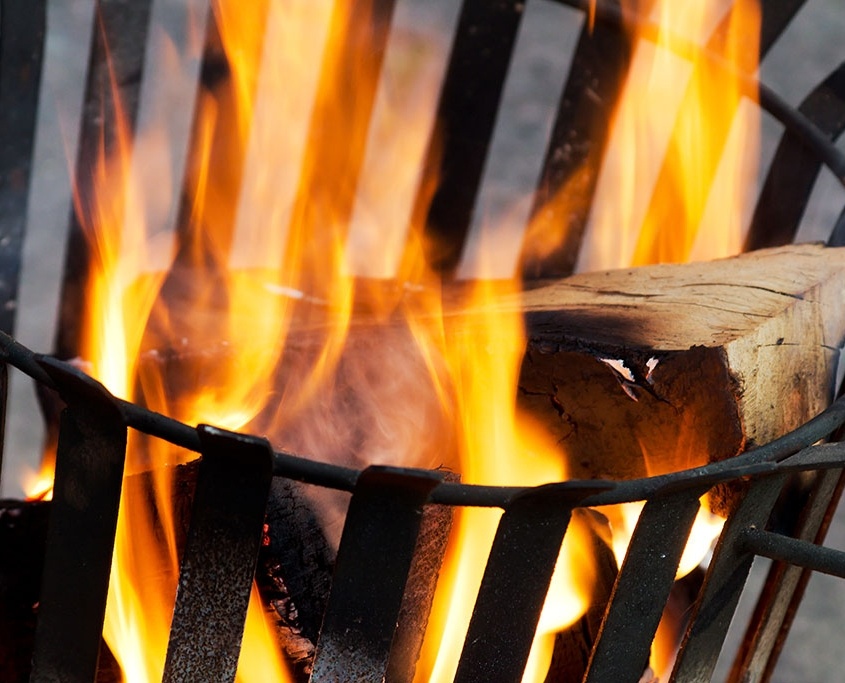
644 371
294 573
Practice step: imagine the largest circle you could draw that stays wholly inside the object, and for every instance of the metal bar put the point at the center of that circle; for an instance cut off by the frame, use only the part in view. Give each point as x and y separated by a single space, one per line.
578 140
432 541
776 16
514 586
469 102
805 554
837 235
112 89
83 520
794 169
758 462
220 555
621 652
726 577
373 562
763 635
21 51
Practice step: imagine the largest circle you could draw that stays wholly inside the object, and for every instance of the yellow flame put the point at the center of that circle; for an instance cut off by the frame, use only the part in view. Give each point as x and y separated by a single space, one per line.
38 485
497 446
679 121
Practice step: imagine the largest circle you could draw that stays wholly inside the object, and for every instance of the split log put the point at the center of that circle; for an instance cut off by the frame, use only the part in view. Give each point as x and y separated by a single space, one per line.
648 370
635 371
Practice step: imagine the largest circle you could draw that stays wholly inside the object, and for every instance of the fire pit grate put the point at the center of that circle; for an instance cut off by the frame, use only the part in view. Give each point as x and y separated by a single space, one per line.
377 547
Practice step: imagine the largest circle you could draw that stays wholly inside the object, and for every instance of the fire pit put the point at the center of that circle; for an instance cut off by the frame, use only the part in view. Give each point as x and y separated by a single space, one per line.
670 406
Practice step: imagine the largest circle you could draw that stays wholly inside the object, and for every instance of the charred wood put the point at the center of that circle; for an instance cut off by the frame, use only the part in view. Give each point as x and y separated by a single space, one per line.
294 573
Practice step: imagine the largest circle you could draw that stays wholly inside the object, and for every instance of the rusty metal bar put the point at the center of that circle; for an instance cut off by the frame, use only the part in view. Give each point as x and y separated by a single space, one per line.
621 652
373 562
219 560
83 521
514 586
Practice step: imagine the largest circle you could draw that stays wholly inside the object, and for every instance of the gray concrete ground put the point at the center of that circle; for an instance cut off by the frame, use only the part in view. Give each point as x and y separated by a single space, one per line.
812 47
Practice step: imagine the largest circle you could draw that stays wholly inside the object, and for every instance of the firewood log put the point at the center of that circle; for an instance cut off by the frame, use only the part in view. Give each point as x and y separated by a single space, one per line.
647 370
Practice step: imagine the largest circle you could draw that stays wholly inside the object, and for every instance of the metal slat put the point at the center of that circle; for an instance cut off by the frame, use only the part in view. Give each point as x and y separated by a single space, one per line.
515 582
621 653
117 57
373 562
726 577
794 169
21 52
578 140
220 555
83 521
469 102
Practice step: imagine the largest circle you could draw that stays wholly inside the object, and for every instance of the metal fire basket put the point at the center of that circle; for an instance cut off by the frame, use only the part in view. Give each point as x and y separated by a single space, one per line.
236 470
378 541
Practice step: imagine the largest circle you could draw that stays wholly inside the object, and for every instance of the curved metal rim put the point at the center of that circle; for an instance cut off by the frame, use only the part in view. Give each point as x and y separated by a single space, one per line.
766 460
753 88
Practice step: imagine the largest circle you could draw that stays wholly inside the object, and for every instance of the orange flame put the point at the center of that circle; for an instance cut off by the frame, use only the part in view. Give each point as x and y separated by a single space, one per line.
657 200
483 347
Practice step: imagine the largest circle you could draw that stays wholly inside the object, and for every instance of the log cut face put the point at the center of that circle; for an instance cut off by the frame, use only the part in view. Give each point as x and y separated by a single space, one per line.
612 428
653 369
